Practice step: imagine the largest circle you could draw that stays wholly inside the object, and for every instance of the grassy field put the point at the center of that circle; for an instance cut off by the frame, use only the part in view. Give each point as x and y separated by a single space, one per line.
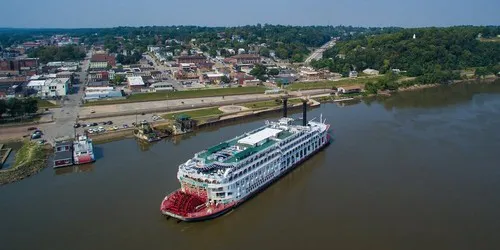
494 39
45 104
194 114
330 84
268 104
158 96
30 159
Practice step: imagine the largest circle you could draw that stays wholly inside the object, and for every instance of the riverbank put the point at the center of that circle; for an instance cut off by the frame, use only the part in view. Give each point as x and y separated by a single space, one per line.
30 159
202 121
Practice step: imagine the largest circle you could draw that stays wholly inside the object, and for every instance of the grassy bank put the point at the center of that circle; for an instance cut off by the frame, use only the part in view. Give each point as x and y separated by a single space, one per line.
30 159
195 114
42 104
159 96
330 84
269 104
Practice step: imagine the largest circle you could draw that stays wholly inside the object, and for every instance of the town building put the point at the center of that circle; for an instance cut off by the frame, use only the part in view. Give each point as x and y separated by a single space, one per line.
251 83
349 90
19 66
243 59
212 78
135 83
98 93
371 72
161 86
36 86
192 59
97 84
284 79
102 61
55 87
241 77
97 76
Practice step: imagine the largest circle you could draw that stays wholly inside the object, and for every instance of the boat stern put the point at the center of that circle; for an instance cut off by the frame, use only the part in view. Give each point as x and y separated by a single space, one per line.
189 207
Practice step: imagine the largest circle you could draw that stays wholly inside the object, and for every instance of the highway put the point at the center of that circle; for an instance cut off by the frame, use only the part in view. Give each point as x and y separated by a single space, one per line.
318 53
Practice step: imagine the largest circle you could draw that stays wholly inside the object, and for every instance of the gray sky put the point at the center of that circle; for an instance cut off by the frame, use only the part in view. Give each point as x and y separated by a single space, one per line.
111 13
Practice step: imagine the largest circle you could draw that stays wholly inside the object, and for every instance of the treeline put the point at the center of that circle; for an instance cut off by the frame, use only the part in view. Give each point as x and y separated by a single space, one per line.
53 53
391 81
432 49
18 107
129 59
288 42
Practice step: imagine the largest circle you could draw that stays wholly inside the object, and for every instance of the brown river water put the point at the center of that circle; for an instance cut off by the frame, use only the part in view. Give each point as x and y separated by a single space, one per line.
419 170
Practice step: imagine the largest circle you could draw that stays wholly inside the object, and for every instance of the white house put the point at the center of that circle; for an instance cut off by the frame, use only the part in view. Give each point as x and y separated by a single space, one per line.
371 72
55 87
36 85
241 51
353 74
161 86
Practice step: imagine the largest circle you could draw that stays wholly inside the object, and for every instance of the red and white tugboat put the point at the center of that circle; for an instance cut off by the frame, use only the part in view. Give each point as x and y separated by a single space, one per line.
83 151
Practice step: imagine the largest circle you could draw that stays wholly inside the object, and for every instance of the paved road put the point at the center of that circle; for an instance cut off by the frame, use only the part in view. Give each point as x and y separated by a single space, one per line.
66 116
180 104
318 53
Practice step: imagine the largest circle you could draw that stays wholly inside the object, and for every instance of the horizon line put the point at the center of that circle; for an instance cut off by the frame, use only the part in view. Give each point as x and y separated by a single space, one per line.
237 26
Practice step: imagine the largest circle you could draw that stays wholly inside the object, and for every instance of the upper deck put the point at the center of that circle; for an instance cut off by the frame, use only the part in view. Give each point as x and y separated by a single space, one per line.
216 163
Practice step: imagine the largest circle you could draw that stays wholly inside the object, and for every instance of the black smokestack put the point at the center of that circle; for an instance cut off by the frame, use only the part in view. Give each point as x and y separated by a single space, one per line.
304 113
285 101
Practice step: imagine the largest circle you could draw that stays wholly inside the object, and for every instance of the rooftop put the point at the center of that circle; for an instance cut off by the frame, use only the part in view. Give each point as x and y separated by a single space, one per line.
135 81
34 83
260 136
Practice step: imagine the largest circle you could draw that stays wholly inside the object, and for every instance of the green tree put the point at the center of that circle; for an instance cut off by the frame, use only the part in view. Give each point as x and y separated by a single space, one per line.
3 107
118 79
264 52
30 106
15 107
258 70
480 72
273 72
371 88
212 53
225 79
204 48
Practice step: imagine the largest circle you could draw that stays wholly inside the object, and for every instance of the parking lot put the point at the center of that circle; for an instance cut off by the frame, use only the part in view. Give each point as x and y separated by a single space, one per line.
115 124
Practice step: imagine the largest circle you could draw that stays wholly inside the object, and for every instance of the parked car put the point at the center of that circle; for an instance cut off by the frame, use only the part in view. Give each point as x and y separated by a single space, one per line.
101 129
110 123
77 125
32 128
115 128
125 125
94 124
36 136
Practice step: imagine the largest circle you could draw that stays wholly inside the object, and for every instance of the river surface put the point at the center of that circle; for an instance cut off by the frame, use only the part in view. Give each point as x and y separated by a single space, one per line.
420 170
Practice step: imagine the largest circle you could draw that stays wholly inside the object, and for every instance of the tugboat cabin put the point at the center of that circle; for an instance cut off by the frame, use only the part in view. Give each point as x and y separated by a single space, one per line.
63 154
